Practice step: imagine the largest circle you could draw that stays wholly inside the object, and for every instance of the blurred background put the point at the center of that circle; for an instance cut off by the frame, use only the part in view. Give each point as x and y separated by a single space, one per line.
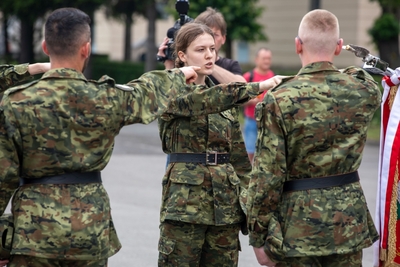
125 39
126 33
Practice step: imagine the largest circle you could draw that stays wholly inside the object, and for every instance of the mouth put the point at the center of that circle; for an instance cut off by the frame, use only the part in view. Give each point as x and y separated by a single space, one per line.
209 65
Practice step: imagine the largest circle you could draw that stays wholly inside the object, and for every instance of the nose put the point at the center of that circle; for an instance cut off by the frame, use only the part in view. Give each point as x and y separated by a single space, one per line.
209 53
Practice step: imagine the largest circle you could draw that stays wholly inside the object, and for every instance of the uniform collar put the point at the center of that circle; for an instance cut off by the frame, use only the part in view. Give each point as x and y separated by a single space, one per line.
64 73
317 67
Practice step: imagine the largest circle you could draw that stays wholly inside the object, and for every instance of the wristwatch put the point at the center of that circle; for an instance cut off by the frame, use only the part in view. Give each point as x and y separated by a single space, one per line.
161 59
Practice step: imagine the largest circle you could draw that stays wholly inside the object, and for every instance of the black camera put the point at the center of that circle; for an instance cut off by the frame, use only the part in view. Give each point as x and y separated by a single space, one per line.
182 7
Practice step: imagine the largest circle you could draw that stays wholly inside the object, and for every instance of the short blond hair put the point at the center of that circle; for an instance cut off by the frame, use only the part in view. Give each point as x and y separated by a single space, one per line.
319 31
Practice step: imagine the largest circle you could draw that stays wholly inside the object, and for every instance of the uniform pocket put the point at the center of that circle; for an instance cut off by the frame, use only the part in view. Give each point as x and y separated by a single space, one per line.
165 248
184 191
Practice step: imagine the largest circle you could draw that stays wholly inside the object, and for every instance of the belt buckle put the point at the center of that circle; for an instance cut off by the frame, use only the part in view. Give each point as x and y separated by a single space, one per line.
215 158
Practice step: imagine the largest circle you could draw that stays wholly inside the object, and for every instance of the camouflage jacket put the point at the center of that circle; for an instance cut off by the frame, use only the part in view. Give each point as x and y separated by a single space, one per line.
64 123
312 125
197 193
10 75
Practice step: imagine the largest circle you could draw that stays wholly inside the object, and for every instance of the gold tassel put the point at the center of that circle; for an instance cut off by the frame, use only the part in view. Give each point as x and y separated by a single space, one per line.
392 95
383 254
392 249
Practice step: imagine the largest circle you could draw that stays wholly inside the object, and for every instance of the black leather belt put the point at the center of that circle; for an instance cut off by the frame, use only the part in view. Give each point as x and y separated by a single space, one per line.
210 158
321 182
66 178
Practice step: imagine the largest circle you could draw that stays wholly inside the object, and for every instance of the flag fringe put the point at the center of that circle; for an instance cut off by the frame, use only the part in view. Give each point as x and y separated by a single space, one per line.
383 254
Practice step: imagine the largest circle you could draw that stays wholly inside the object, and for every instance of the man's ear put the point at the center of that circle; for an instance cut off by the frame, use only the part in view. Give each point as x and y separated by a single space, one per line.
339 46
44 48
85 50
223 37
299 46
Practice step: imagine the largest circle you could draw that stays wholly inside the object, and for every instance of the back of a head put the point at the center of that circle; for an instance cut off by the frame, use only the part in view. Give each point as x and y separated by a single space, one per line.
213 19
66 30
186 35
319 32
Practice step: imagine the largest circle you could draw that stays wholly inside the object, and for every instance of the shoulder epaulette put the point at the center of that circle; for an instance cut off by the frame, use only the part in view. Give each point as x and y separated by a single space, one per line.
105 79
110 81
124 87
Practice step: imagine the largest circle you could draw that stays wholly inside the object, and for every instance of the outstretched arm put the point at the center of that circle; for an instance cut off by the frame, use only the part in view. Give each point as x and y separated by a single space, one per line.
10 75
224 76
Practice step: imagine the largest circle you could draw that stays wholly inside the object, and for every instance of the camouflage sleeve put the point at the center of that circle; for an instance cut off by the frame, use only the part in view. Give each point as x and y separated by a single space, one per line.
203 101
268 175
9 163
10 75
148 97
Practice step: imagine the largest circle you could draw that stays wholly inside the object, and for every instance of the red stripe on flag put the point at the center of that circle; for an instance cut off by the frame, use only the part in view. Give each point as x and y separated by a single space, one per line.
394 158
388 81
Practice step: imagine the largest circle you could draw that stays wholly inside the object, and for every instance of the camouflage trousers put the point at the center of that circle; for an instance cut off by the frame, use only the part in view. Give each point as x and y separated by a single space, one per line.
27 261
197 245
342 260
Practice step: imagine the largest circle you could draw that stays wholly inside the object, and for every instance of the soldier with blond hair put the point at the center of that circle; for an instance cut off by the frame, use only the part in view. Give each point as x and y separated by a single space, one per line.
306 206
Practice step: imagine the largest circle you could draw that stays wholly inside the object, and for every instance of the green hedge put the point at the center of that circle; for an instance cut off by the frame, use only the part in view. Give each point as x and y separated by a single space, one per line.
120 71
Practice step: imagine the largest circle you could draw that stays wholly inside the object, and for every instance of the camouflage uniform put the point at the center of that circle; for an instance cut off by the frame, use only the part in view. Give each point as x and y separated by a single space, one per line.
312 125
10 75
201 207
64 123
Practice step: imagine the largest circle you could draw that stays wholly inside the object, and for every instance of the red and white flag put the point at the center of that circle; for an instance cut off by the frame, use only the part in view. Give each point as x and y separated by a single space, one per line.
387 220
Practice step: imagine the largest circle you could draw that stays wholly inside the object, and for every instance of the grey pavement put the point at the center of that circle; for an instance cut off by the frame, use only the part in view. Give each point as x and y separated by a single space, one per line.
133 181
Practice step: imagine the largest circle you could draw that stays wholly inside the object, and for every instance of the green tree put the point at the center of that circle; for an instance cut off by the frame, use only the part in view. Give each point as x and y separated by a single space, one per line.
151 48
385 31
29 11
240 16
124 10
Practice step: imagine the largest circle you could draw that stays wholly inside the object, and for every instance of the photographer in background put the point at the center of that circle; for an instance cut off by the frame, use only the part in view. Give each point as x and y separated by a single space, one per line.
226 70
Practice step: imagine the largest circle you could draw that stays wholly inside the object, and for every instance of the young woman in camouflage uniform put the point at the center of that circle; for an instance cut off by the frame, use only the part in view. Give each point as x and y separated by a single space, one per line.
205 182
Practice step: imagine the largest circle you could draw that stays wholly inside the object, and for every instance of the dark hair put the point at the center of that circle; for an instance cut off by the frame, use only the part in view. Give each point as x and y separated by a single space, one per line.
186 35
66 29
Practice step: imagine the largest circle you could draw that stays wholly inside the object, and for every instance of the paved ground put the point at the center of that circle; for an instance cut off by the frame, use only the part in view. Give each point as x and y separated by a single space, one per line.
133 181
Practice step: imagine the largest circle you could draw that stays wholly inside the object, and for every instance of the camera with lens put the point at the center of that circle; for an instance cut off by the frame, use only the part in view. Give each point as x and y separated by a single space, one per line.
182 7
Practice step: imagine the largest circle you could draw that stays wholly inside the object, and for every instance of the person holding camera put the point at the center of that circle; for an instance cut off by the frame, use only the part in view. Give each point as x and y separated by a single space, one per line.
226 70
205 184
